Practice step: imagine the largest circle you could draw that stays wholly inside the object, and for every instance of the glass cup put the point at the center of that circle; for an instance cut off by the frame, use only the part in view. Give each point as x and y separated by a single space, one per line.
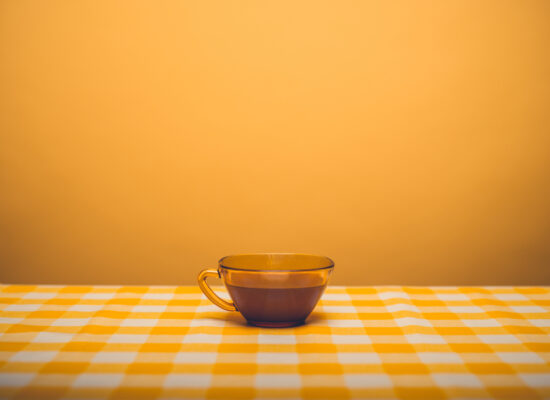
271 289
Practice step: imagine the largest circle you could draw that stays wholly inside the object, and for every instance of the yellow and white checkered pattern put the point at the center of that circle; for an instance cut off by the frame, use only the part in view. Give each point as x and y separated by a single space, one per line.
97 342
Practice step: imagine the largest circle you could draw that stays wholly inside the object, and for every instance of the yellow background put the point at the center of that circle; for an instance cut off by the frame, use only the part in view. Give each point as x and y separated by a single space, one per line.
140 141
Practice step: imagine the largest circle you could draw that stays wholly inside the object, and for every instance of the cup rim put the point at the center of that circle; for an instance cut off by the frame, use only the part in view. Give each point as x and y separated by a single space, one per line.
220 263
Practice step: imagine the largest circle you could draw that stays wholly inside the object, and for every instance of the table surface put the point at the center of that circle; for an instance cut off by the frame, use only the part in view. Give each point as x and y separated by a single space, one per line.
87 342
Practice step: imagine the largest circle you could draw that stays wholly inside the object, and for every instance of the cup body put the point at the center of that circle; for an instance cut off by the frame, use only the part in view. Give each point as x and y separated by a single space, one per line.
275 290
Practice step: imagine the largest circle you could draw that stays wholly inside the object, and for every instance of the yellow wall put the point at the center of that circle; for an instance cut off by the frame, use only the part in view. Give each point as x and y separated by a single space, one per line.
142 140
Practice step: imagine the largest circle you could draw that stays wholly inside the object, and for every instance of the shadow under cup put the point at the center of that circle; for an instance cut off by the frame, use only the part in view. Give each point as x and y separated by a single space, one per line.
275 290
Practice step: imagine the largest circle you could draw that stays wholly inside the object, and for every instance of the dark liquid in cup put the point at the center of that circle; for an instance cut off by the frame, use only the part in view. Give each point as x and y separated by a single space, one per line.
275 307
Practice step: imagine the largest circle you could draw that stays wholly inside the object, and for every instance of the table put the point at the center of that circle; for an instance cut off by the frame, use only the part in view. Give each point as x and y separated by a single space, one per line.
88 342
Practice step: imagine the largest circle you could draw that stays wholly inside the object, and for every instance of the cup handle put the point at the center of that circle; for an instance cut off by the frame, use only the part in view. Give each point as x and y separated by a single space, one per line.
208 292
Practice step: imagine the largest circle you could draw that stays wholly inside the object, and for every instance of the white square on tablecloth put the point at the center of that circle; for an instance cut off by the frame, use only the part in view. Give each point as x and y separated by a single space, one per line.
457 380
10 321
189 357
452 297
143 322
98 380
277 358
70 322
439 358
393 295
409 321
33 356
359 358
526 357
265 338
498 339
207 308
402 307
122 338
114 357
528 309
23 307
40 295
98 296
510 297
339 309
536 379
187 380
52 337
356 381
278 381
336 296
419 338
86 307
340 323
202 338
351 339
480 323
465 309
208 322
158 296
147 309
15 379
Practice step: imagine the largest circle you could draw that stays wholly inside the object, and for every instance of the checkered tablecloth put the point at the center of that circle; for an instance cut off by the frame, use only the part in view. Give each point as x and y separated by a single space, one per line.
88 342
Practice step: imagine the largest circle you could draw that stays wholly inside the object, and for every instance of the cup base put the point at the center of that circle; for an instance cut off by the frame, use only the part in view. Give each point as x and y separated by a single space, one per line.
267 324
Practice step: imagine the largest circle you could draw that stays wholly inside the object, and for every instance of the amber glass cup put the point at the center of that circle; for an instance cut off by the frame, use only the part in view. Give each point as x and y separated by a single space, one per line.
272 289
